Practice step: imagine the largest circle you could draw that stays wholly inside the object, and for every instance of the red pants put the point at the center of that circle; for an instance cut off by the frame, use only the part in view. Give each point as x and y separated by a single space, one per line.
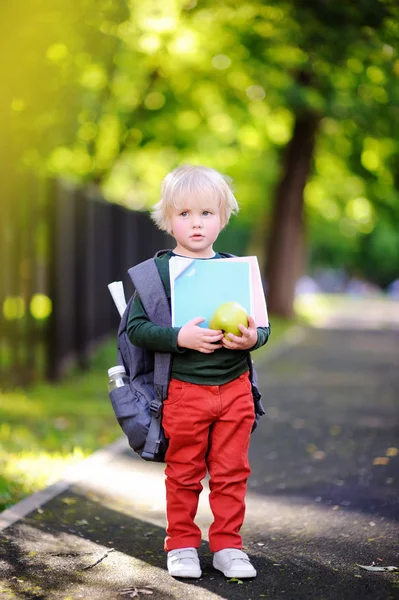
208 427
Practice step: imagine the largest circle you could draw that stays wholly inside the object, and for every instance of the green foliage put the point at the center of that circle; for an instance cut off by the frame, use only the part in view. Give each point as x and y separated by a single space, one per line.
121 92
382 245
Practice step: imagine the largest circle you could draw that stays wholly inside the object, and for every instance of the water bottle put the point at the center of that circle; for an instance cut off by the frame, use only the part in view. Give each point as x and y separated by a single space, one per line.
117 377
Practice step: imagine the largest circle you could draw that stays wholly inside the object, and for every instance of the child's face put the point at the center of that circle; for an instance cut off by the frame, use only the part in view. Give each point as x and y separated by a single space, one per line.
196 224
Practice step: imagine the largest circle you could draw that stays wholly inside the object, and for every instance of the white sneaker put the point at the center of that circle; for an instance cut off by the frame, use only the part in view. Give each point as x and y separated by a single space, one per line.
184 562
233 563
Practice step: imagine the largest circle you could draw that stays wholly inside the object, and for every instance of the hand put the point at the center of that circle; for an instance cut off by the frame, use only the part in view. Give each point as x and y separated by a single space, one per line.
246 341
198 338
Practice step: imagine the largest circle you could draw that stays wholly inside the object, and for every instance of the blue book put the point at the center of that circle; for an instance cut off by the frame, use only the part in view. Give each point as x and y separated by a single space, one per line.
198 287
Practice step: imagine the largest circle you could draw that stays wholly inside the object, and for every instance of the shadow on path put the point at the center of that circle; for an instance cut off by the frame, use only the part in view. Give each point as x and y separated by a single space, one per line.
322 498
73 531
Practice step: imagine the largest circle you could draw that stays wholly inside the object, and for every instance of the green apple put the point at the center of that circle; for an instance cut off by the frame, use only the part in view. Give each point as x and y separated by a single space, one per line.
227 317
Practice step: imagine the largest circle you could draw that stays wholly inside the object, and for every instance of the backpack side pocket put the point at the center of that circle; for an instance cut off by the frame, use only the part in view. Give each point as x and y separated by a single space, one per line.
132 413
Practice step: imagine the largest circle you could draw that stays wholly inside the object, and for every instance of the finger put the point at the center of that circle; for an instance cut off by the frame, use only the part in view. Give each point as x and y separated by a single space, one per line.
212 331
210 346
251 323
228 344
245 332
206 350
196 321
233 338
212 338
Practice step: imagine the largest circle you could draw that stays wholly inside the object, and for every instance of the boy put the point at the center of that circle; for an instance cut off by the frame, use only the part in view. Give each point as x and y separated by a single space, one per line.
209 412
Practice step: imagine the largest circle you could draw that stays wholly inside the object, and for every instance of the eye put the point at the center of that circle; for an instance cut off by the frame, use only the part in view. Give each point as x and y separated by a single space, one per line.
184 213
206 213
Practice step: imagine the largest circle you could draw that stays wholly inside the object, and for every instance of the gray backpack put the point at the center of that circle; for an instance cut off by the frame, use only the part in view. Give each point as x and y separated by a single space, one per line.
138 406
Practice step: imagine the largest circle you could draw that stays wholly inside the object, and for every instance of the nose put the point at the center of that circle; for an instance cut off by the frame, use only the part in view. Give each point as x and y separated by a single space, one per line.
197 223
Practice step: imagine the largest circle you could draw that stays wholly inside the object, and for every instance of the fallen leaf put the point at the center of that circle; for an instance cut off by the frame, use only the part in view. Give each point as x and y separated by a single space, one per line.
379 569
392 452
68 500
234 580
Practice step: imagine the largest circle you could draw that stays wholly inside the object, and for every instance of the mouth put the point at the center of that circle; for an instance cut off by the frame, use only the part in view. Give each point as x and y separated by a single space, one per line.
196 236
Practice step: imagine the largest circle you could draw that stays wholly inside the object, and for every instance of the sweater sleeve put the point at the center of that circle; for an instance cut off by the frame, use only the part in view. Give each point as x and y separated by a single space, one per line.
263 336
145 334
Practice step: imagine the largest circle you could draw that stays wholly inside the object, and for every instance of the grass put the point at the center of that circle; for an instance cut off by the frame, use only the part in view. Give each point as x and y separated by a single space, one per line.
47 428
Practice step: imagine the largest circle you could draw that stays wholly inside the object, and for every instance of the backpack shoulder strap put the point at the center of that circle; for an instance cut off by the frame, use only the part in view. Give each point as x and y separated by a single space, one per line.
162 252
147 281
148 284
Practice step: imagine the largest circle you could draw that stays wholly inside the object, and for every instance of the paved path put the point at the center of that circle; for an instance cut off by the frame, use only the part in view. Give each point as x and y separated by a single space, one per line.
323 495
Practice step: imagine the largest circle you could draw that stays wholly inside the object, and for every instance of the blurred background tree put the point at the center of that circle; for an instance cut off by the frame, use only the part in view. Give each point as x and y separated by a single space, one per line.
297 102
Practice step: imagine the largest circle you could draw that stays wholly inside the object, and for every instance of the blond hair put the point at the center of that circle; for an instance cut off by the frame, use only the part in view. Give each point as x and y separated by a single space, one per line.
188 180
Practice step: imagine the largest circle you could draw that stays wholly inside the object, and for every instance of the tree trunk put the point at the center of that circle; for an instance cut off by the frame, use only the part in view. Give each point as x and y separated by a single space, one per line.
285 247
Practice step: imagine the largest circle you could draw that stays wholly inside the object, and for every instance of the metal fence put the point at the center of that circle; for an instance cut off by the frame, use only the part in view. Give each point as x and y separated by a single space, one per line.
60 247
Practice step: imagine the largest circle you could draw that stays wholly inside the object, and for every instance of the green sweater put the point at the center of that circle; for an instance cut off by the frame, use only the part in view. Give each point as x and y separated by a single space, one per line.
217 368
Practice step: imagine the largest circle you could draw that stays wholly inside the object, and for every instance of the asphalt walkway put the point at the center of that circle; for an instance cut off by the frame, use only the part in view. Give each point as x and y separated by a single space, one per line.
323 495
